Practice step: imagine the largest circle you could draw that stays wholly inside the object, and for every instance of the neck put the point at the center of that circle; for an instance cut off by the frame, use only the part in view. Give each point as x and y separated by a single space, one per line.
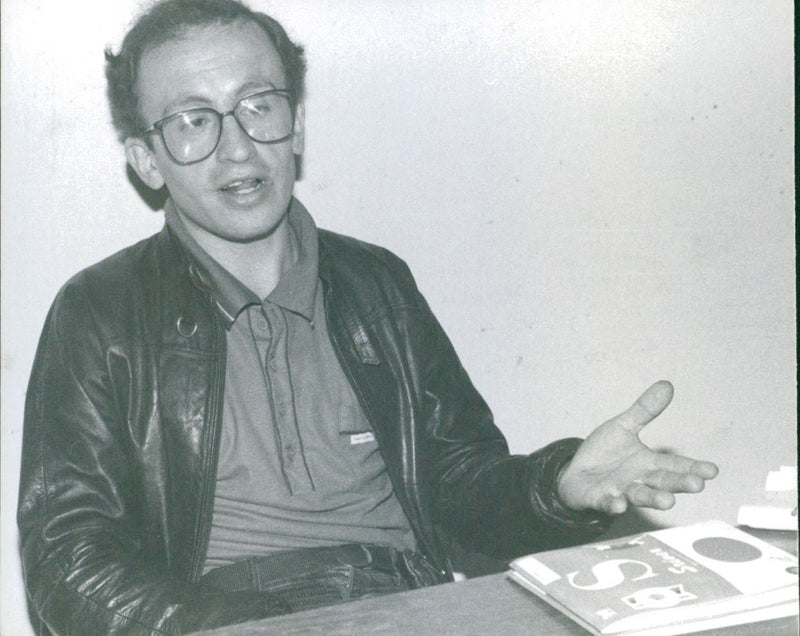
258 264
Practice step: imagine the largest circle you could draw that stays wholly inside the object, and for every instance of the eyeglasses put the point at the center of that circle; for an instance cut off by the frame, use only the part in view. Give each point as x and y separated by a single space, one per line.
193 135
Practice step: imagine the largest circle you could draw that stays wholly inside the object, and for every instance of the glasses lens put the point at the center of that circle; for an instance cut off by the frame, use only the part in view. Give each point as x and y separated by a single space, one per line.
266 116
192 135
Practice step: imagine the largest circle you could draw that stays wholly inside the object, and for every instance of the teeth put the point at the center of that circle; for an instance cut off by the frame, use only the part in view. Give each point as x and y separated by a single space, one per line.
243 187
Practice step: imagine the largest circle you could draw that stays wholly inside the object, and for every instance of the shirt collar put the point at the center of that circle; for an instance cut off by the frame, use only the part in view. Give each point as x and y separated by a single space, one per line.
297 288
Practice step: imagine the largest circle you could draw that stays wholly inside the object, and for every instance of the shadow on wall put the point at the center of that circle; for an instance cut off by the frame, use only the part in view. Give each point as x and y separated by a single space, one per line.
634 521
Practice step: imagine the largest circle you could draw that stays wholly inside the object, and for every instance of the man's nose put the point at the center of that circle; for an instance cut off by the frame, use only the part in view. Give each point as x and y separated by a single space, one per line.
234 144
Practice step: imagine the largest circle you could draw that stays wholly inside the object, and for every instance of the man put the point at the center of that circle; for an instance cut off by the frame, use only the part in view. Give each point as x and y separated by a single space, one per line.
243 415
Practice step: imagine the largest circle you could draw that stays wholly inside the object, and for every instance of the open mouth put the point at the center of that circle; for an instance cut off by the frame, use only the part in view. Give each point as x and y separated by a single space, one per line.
245 186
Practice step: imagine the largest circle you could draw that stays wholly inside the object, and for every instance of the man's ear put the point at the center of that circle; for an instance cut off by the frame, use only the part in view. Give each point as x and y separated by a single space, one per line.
299 131
141 159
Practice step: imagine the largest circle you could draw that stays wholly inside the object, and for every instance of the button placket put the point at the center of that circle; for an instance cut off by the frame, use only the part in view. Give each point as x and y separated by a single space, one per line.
282 397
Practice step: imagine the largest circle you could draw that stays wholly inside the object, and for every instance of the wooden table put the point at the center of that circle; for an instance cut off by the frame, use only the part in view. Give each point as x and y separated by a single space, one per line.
485 605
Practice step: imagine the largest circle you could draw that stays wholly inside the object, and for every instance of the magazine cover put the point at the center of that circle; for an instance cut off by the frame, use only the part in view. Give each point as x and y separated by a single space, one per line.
690 573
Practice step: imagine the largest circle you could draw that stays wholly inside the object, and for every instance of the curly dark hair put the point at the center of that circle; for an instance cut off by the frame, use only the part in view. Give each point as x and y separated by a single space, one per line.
168 19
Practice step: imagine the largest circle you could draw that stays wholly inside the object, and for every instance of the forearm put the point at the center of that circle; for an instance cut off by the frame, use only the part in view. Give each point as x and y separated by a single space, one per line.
507 505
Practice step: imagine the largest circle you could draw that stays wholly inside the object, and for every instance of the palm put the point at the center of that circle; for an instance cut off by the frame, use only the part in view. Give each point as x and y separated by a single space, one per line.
613 468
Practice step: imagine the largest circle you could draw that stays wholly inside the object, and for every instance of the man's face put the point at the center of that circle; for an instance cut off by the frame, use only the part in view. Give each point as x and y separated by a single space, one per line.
241 192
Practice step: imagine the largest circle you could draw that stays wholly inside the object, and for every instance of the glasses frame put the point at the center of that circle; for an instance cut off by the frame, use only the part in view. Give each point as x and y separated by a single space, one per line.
157 127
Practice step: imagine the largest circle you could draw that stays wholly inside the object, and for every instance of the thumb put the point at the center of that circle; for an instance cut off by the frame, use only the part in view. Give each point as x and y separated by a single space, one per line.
649 406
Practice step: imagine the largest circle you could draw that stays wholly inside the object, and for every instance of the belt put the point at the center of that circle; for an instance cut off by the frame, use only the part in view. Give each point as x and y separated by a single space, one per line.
260 573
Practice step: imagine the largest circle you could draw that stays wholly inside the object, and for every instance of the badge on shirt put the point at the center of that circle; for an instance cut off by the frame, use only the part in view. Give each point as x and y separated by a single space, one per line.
362 438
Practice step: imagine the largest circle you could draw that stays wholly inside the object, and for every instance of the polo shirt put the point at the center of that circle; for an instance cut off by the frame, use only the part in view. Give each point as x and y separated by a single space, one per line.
298 464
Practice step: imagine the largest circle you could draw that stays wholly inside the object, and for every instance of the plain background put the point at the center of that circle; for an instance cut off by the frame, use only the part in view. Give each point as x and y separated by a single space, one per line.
592 196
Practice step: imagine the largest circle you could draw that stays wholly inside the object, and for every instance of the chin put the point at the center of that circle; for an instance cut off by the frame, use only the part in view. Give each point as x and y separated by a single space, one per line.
252 235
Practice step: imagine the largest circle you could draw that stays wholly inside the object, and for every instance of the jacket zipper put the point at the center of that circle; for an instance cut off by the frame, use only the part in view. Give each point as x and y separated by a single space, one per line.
211 452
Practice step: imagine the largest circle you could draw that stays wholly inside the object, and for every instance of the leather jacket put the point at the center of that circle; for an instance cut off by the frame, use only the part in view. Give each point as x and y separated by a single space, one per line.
122 429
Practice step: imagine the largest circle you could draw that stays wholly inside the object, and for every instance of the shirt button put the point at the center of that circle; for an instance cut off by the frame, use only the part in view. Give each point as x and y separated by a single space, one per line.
261 323
273 364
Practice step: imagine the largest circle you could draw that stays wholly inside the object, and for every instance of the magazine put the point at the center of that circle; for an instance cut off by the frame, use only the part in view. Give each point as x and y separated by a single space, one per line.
672 581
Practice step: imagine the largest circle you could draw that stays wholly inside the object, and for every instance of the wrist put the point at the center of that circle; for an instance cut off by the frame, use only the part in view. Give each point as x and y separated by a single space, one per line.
559 488
558 479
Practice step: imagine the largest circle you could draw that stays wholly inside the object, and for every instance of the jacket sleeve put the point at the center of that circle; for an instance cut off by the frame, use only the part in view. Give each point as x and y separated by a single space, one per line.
492 502
85 571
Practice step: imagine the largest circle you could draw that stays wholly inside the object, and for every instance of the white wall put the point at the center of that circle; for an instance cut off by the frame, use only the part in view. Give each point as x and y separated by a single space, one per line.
592 195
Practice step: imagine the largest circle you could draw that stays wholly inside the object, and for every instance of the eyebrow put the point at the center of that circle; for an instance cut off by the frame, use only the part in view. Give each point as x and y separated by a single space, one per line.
184 103
187 102
248 87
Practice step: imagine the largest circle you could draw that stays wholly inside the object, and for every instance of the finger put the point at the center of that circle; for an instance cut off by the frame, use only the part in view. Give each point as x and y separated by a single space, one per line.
639 494
680 464
706 470
612 505
673 482
649 406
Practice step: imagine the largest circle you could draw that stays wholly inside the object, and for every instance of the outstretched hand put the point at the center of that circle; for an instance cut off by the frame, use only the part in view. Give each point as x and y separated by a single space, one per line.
613 469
